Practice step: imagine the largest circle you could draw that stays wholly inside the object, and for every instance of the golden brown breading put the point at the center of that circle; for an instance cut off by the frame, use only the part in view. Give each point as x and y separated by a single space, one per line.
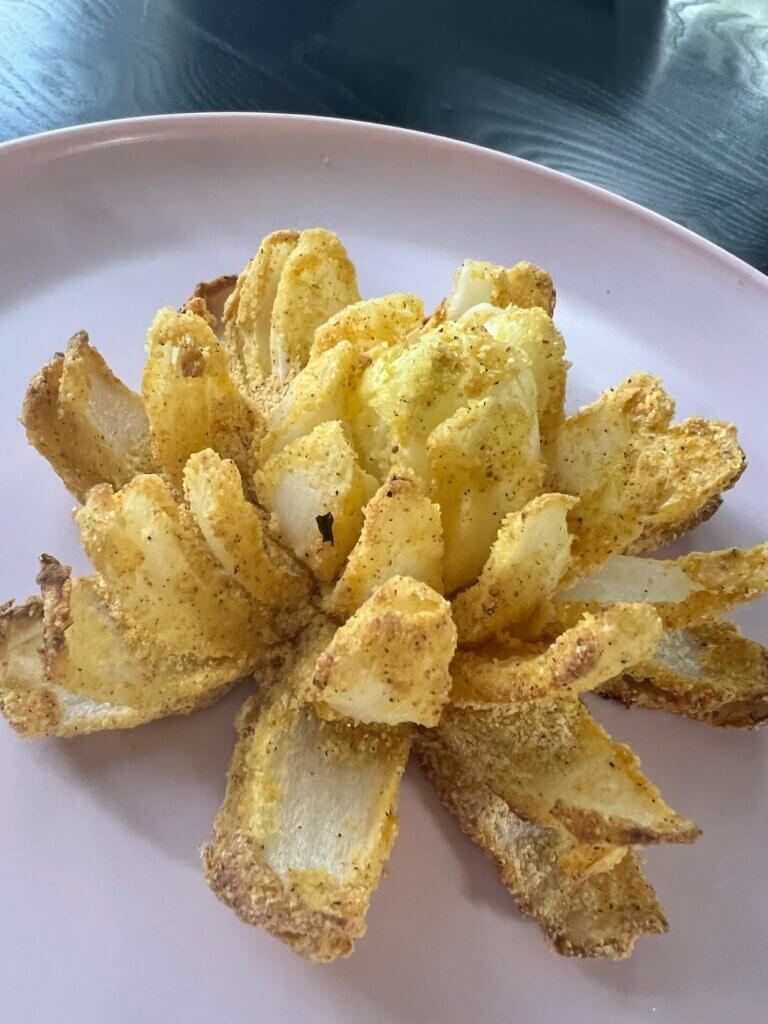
401 536
321 393
405 392
693 463
86 651
32 704
708 672
236 532
597 455
590 914
684 591
190 398
163 584
248 311
553 764
87 423
290 665
485 463
66 667
316 492
530 334
389 662
652 540
641 481
527 560
530 287
307 824
595 649
387 320
476 282
317 280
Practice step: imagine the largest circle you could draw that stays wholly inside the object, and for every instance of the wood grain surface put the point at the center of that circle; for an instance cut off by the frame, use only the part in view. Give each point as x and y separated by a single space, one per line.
663 102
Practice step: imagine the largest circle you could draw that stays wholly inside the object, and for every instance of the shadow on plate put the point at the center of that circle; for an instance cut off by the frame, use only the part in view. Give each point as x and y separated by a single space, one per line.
177 765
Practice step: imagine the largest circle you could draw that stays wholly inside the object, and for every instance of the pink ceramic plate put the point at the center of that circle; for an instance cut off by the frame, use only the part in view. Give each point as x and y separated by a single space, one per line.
106 917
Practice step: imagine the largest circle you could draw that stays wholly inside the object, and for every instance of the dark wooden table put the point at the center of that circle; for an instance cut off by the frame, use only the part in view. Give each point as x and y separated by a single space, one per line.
663 101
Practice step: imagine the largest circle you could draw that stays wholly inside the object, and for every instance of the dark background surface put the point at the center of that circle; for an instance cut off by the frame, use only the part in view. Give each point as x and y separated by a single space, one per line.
662 101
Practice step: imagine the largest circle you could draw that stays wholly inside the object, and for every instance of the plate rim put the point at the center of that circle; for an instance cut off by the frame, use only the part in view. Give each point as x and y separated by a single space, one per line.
66 141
